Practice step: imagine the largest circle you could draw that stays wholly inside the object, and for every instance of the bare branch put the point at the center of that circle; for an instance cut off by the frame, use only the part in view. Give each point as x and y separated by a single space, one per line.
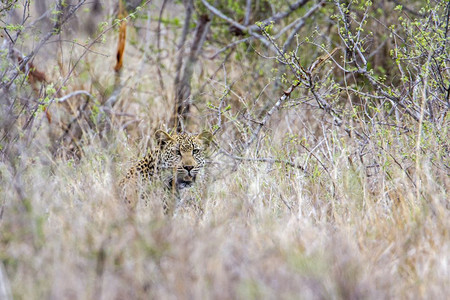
279 16
406 8
275 107
73 94
56 28
248 12
229 46
221 15
264 159
300 24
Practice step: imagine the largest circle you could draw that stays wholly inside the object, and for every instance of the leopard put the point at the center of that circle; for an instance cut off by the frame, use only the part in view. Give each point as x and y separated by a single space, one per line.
176 161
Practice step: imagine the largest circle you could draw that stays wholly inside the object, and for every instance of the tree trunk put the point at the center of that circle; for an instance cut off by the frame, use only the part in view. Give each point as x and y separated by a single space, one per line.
183 84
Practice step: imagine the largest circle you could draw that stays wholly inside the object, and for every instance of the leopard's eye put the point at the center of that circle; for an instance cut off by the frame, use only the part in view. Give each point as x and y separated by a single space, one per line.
178 152
195 151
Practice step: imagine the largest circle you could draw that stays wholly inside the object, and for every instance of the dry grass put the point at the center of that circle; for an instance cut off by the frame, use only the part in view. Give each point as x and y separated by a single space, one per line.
350 227
265 231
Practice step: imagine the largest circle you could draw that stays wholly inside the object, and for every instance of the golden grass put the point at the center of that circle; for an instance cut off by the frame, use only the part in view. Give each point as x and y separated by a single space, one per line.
69 236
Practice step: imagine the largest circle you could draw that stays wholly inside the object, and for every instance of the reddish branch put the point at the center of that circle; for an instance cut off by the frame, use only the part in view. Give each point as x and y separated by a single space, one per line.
122 37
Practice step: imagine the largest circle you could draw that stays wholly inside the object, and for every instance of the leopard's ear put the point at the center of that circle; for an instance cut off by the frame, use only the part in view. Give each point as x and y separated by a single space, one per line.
205 138
163 137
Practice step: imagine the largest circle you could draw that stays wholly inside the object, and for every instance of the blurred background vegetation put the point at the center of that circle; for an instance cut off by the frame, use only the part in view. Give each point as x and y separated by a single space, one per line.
330 171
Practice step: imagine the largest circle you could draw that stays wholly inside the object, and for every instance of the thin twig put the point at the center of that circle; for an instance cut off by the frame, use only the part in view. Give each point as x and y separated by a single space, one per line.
56 28
73 94
263 159
281 15
275 107
300 24
231 45
248 29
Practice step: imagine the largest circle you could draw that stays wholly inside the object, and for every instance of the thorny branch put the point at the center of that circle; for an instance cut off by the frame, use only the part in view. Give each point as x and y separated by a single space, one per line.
306 78
59 22
353 45
269 114
300 24
63 18
263 159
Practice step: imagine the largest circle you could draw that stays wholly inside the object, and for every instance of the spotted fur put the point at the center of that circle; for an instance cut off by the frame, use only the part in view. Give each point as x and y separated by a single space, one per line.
177 161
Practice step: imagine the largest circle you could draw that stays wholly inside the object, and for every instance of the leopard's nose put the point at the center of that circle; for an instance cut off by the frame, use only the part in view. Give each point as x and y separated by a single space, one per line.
188 168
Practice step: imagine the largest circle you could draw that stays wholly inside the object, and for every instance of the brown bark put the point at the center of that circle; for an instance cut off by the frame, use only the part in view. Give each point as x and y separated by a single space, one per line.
122 37
183 84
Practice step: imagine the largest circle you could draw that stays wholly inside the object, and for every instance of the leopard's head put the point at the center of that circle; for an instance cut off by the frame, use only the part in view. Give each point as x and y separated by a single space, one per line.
182 156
